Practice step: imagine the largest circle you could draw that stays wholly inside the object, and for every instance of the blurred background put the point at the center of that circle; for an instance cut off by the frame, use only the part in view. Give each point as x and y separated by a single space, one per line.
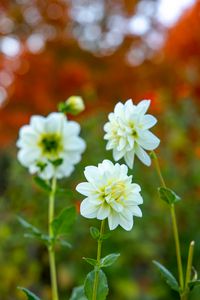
105 51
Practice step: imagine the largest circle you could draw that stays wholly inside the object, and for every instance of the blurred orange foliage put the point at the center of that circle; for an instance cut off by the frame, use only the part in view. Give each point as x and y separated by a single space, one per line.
63 68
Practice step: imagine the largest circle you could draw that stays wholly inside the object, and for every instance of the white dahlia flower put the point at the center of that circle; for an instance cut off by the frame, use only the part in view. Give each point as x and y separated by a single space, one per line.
50 146
110 194
128 132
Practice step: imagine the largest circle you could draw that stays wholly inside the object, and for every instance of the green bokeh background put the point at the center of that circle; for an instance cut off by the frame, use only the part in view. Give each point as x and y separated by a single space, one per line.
24 262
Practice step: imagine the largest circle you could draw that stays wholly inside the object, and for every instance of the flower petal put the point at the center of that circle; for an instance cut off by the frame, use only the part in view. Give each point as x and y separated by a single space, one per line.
117 154
103 212
37 123
28 156
92 174
134 199
119 109
148 121
142 155
72 128
148 140
129 158
84 188
143 106
88 209
126 221
55 122
136 210
118 207
75 143
113 220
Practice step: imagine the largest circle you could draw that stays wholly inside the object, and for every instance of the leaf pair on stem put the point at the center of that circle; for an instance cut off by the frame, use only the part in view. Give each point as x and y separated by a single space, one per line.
58 228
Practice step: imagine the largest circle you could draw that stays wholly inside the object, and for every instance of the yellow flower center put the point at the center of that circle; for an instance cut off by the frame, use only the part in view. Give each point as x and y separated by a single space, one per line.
134 132
50 144
114 191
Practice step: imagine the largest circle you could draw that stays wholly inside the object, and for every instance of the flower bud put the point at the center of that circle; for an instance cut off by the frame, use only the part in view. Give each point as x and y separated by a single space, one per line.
74 105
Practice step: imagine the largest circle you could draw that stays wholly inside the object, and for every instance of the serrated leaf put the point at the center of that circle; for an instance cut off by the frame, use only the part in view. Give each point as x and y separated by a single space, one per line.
78 293
168 195
167 275
64 222
109 260
94 232
102 287
42 184
192 284
29 294
90 261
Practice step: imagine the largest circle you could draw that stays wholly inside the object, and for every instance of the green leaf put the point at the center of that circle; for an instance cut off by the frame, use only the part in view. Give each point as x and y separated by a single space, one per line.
102 288
64 222
78 293
167 275
105 236
94 232
29 294
29 226
195 274
61 191
90 261
42 237
62 107
34 232
57 162
192 284
64 243
168 195
109 260
42 184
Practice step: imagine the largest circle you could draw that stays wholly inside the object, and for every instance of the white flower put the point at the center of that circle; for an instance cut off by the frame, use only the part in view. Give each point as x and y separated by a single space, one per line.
74 105
128 132
50 146
110 194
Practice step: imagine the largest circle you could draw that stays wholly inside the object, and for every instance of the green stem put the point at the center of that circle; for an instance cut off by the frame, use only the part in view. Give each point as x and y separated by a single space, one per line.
189 264
96 277
158 169
51 246
177 244
174 225
184 296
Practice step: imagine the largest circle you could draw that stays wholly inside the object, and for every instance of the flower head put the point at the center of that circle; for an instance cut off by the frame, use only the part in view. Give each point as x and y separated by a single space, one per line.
128 132
110 194
73 105
50 146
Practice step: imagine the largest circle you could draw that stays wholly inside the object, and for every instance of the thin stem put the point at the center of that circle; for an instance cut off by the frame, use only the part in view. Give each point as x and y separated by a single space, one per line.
177 244
158 169
184 296
51 246
174 224
96 277
189 264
